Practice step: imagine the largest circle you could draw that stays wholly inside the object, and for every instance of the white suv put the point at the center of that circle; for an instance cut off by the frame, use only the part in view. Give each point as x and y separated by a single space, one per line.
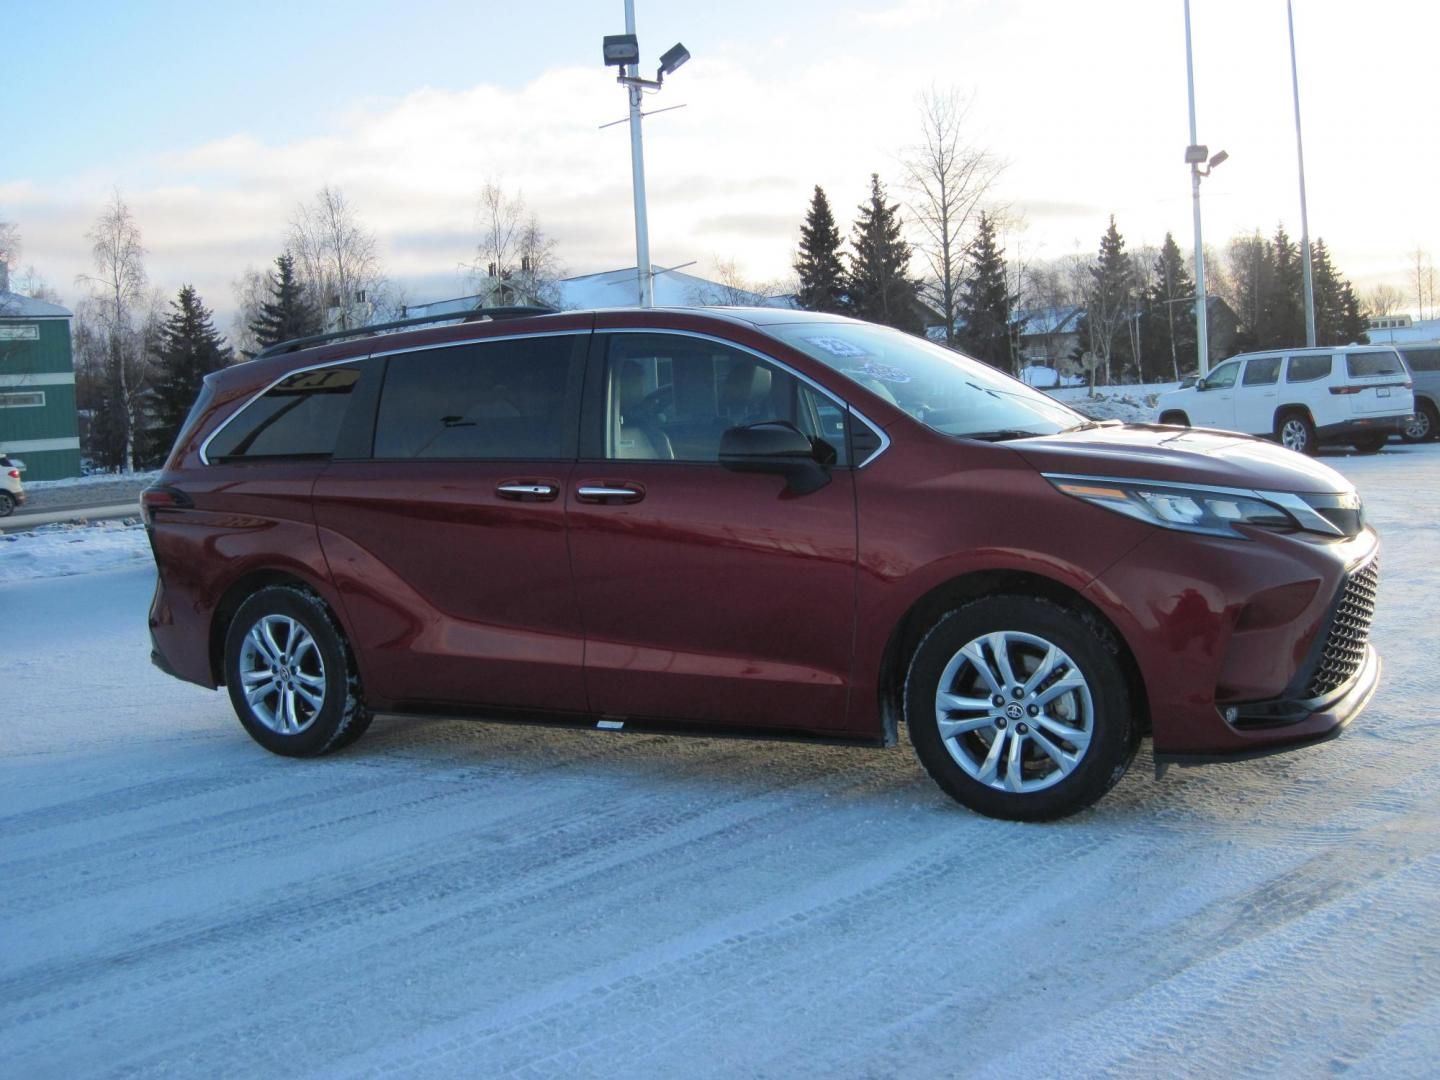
12 494
1355 394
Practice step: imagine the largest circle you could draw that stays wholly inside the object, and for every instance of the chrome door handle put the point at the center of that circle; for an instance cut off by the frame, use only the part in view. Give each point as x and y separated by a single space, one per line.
524 491
608 493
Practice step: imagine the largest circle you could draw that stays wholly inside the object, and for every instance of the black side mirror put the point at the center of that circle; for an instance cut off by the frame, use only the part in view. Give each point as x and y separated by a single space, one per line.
774 446
1201 384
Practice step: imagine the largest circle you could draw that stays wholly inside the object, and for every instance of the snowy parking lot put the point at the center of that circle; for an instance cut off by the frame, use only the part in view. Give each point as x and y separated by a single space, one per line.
454 898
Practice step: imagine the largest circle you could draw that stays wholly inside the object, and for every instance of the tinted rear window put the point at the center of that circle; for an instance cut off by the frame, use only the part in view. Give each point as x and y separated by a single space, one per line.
1423 359
298 417
1361 364
1307 368
486 401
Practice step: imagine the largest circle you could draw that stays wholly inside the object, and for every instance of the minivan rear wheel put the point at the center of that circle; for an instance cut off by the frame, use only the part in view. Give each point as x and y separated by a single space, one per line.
1295 432
290 674
1018 708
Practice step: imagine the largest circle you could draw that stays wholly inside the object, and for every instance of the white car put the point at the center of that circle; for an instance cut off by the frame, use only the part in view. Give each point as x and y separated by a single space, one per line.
1303 398
12 494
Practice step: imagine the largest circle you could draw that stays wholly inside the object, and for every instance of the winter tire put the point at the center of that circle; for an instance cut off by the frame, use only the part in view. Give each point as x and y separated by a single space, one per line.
1295 432
1018 708
1421 427
7 503
290 675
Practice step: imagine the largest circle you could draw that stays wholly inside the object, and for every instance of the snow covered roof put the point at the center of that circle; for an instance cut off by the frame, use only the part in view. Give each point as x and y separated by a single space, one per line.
618 288
1049 320
16 306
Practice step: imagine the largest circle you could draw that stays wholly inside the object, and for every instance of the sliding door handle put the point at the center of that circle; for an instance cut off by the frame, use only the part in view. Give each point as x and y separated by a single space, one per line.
523 491
610 493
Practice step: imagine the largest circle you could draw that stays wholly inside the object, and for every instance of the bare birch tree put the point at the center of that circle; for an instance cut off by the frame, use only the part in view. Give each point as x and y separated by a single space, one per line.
515 261
1422 283
338 259
118 305
947 177
1385 299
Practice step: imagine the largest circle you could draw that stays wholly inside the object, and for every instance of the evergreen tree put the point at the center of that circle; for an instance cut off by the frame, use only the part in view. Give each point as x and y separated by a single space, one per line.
188 348
289 314
984 301
822 274
1167 327
1111 300
879 285
1288 311
1339 316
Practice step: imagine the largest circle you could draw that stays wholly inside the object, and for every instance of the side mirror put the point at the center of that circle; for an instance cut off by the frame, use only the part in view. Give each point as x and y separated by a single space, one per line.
1201 384
774 446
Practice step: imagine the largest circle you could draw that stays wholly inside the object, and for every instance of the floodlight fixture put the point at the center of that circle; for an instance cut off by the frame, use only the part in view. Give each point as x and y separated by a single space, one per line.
671 59
1218 158
621 50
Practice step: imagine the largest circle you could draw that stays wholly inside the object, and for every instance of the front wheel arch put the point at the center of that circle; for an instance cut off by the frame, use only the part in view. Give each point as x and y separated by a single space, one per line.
925 612
1177 417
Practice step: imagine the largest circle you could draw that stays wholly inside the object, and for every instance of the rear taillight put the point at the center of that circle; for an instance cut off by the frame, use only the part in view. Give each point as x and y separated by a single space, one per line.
163 497
14 474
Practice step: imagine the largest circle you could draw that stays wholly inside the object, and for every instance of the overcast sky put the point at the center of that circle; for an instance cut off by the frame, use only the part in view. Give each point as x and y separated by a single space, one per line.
214 120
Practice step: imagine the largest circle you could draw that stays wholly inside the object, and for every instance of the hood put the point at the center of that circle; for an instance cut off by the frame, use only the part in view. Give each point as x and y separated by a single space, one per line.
1186 456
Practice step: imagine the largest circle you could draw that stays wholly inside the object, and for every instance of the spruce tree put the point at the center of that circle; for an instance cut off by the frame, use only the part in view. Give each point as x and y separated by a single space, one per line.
188 349
984 301
879 285
289 314
1111 299
822 274
1288 314
1167 325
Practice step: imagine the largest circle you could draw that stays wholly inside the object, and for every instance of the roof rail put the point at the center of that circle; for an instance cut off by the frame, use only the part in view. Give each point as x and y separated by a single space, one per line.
519 311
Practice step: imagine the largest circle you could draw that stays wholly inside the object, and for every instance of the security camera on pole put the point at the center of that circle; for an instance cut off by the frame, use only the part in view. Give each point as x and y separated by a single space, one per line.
623 51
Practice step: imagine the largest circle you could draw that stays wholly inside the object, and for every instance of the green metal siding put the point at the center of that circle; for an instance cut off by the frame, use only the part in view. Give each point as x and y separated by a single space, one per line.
49 465
50 353
53 420
44 359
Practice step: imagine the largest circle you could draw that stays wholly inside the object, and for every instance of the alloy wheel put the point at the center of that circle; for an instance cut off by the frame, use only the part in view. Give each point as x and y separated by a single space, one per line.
1294 435
1417 428
1015 711
282 674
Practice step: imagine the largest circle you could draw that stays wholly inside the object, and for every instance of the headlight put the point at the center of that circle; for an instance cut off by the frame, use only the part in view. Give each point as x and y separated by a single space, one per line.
1213 511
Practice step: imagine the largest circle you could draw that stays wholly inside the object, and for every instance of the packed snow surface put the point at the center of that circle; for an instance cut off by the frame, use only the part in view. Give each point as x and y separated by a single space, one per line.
62 550
449 898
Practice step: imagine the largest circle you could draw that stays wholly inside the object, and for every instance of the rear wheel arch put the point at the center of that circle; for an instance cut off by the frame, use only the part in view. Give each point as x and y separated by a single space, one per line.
241 590
1175 416
925 612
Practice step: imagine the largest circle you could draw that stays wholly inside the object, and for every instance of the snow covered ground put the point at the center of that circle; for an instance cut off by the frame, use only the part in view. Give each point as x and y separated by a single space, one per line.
461 899
61 550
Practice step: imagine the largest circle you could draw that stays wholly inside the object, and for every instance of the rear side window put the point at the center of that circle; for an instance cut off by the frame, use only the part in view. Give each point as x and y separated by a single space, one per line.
1307 368
493 400
1262 371
1361 364
1423 359
298 417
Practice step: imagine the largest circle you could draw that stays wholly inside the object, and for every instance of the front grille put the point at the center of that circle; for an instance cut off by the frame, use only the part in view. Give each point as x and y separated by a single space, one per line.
1344 650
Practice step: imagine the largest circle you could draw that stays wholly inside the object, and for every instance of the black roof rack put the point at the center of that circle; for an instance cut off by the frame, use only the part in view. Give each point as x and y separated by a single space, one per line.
518 311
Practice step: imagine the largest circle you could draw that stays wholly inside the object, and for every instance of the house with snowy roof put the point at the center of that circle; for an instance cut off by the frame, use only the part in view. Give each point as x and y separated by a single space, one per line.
37 385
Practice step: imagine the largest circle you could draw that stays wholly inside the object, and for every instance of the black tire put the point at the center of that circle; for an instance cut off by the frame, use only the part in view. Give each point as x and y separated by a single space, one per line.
1179 419
1094 652
1371 444
341 716
1424 426
7 503
1294 431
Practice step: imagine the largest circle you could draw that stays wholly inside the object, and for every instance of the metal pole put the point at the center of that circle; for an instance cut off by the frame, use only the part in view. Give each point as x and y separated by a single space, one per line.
1202 337
1304 216
637 173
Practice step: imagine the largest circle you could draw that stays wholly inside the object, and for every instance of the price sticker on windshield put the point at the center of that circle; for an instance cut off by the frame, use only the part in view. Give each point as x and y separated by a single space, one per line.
885 373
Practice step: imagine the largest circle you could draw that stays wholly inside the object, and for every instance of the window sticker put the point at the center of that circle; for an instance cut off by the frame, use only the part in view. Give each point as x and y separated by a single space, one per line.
836 346
885 373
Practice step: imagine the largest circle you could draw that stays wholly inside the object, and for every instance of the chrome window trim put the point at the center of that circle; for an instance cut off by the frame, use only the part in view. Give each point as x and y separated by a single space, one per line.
205 446
844 405
1310 519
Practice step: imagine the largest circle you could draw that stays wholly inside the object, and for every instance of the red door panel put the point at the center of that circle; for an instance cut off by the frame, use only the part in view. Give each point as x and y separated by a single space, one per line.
456 579
715 596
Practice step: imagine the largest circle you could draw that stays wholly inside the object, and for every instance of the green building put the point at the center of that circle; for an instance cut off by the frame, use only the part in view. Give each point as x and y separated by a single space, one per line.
37 386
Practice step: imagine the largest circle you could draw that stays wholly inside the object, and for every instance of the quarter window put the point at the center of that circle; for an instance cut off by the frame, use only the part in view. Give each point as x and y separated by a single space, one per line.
671 398
1360 365
1307 368
298 417
494 400
1262 371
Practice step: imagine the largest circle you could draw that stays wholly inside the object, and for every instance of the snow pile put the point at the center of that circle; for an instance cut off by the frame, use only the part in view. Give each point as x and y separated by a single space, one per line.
62 550
1134 403
91 478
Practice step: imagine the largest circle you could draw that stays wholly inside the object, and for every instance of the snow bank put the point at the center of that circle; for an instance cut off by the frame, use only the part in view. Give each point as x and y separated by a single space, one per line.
62 550
92 478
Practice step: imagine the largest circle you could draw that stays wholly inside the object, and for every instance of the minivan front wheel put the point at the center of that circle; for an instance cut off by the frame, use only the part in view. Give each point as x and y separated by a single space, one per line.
290 676
1018 708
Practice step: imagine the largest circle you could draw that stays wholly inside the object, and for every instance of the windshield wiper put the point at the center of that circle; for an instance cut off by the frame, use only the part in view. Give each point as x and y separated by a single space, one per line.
1001 434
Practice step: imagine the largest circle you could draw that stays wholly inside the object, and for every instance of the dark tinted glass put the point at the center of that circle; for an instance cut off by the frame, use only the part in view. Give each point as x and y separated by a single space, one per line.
672 398
1262 372
1307 368
1372 363
1422 359
299 417
490 400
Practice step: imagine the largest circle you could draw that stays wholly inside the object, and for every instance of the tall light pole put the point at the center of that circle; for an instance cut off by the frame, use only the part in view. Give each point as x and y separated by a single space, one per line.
1304 216
623 51
1202 337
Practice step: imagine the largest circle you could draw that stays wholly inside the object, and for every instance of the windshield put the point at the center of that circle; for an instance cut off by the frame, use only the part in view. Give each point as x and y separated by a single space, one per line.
945 390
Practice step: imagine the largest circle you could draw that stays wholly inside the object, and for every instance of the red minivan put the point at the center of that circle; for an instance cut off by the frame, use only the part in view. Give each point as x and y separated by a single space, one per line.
751 522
